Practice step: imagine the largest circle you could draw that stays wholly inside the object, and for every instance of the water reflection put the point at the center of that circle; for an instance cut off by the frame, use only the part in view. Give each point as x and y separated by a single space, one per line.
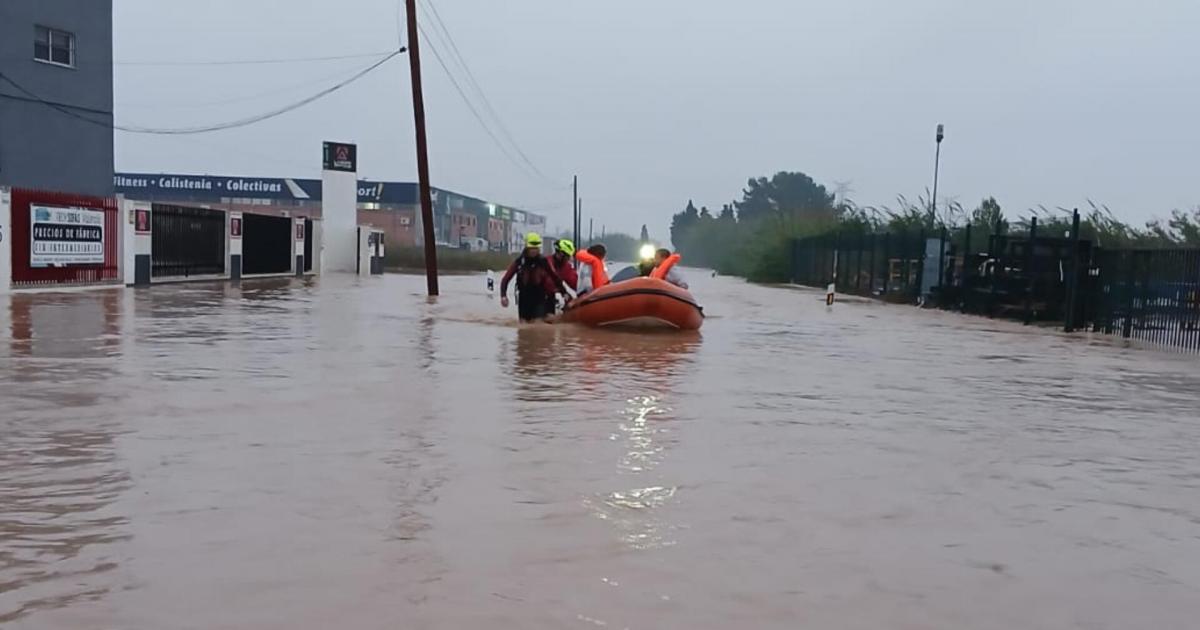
640 429
563 361
641 371
643 432
61 346
84 325
59 468
544 365
57 520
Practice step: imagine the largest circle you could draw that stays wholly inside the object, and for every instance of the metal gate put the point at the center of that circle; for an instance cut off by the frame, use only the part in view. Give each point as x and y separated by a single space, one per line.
27 273
308 245
1149 295
267 244
186 241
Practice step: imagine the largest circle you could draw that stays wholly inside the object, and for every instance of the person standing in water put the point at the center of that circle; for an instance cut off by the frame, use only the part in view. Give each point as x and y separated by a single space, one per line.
536 282
560 262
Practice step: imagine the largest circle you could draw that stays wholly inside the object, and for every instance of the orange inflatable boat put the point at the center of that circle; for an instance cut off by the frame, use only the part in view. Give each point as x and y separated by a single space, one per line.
638 302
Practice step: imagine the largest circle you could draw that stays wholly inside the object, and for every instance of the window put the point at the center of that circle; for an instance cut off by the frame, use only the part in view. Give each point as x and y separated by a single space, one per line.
51 46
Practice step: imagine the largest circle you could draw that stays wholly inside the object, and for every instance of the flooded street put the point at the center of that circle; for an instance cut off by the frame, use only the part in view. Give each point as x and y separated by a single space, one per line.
344 453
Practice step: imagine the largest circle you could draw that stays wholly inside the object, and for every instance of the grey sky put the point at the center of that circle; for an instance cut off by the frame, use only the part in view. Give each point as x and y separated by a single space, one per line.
653 102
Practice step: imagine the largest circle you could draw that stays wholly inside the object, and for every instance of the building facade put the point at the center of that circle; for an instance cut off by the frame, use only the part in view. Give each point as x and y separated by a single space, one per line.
56 95
459 220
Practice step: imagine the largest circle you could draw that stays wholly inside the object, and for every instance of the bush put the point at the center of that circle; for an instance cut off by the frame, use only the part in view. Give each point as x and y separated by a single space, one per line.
760 251
409 258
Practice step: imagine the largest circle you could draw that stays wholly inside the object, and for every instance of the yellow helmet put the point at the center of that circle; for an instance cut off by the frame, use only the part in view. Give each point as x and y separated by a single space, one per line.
533 239
565 246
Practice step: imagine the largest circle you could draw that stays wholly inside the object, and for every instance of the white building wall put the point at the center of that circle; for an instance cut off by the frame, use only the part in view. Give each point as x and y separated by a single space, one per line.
6 237
339 215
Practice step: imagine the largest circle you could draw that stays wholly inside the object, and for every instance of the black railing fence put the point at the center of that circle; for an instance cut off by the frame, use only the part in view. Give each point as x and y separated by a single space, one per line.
1151 295
186 241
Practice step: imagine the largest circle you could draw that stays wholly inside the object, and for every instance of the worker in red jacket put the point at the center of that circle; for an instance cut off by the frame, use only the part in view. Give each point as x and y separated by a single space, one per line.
537 282
560 261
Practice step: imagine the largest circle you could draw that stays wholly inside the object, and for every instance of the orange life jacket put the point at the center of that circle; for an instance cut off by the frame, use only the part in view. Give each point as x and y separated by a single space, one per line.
599 273
660 272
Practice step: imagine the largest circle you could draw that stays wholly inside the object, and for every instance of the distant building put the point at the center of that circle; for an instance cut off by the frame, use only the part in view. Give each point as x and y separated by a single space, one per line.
56 95
459 220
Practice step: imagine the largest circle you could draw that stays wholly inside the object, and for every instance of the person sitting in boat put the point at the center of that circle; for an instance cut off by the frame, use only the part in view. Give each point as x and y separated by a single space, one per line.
664 268
537 283
593 257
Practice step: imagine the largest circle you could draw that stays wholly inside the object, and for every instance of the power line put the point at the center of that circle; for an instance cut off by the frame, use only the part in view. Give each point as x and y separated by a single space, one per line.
192 104
467 101
472 82
246 62
243 122
41 101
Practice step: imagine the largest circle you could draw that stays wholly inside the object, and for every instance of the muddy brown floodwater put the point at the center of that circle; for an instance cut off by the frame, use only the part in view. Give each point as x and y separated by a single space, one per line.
345 454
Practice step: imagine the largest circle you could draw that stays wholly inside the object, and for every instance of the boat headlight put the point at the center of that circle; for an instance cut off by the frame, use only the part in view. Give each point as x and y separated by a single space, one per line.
647 251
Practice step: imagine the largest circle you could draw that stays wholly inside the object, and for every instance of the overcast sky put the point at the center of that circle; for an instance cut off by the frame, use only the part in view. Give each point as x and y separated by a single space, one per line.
653 102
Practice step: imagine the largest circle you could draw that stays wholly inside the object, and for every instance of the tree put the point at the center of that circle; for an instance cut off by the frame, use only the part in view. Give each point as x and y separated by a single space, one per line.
646 234
682 226
792 194
727 215
985 218
1185 227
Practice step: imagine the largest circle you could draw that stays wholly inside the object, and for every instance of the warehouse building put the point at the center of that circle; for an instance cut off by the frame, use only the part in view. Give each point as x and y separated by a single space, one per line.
459 220
56 96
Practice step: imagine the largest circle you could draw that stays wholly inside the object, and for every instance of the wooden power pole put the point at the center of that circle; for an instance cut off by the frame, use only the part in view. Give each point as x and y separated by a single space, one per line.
426 194
575 214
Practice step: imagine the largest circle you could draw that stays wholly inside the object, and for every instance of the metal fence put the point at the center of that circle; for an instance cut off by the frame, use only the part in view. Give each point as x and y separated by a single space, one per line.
26 274
872 264
1148 295
186 241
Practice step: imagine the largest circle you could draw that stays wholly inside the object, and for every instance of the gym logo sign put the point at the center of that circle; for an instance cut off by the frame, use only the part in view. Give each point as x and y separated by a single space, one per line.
340 156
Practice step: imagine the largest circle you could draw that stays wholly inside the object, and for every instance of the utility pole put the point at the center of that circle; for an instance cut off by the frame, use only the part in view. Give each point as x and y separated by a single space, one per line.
578 228
575 210
414 64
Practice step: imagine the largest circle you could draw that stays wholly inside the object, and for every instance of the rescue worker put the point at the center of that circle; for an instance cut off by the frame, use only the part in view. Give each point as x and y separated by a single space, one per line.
537 283
664 268
560 262
593 257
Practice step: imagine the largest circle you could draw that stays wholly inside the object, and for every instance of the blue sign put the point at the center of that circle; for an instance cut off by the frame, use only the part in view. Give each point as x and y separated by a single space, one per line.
218 188
152 187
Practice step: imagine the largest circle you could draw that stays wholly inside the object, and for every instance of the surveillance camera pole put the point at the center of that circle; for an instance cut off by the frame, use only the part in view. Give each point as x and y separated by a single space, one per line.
937 159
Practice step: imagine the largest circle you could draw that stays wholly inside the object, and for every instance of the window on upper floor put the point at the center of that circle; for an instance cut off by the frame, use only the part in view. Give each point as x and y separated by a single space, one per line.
54 46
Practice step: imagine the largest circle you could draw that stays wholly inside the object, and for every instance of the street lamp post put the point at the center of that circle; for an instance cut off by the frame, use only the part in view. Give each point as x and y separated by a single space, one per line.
937 159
